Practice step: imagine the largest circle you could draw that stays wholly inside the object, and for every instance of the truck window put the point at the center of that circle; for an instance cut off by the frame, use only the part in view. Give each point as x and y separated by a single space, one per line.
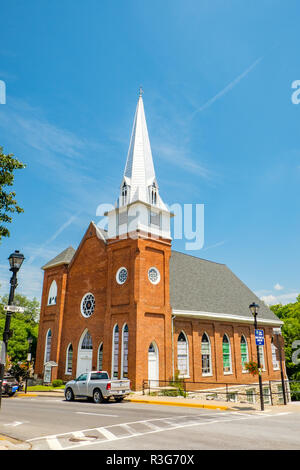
99 376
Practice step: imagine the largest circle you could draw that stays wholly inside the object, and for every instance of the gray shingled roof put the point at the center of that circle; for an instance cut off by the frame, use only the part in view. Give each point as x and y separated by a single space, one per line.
204 286
64 257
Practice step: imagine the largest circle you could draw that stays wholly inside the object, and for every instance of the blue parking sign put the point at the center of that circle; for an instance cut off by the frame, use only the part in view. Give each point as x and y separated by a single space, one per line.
259 337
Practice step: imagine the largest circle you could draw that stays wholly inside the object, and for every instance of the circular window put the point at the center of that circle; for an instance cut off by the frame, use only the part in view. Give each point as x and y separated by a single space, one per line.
88 305
121 275
154 275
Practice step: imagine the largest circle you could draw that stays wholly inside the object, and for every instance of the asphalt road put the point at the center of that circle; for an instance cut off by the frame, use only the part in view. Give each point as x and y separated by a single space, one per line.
52 423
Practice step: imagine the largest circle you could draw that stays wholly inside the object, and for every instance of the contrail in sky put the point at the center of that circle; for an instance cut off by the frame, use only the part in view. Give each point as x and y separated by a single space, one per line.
227 88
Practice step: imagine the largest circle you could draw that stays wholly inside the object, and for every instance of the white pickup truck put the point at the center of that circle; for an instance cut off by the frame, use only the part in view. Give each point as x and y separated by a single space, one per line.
97 386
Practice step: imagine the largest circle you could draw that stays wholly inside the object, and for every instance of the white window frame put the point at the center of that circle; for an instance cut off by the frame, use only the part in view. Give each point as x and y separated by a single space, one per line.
229 372
262 357
274 351
113 352
210 373
98 362
122 351
67 372
187 375
52 294
244 371
46 343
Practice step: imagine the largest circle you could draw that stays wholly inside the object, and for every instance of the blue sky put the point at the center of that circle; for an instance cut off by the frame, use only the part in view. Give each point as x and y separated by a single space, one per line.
217 79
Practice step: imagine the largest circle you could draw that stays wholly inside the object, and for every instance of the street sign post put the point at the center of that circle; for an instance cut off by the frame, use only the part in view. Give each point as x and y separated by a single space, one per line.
259 337
14 308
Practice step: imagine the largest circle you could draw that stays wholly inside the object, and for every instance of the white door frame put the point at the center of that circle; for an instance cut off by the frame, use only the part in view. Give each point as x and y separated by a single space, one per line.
156 359
80 352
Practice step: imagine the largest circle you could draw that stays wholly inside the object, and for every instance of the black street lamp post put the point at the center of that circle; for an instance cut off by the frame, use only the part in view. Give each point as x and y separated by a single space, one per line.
278 333
15 260
254 310
28 361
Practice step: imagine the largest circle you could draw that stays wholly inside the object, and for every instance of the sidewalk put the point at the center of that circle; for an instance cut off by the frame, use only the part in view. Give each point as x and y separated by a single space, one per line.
185 402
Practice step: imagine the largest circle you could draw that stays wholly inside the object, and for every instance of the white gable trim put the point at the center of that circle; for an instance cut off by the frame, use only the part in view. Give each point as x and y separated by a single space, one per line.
224 317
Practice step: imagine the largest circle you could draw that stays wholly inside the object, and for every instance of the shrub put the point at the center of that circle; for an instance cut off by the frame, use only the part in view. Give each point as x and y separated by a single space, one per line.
57 383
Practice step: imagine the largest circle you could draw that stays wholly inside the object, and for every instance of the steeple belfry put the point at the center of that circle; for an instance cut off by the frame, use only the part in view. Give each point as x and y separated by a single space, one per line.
139 208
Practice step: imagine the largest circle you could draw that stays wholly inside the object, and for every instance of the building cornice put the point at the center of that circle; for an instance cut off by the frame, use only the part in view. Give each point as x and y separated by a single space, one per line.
224 317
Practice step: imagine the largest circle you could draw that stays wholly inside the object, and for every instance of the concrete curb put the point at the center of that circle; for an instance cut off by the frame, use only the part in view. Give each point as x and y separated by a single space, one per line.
179 403
9 443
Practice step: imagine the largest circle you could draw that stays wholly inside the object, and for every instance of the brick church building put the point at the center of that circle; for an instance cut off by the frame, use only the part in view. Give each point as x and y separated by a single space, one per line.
125 302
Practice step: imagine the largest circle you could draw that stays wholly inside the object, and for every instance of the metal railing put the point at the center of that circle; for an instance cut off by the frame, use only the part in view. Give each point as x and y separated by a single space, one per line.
236 392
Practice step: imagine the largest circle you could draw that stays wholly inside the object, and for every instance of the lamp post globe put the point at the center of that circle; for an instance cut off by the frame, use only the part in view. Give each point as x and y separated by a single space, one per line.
16 260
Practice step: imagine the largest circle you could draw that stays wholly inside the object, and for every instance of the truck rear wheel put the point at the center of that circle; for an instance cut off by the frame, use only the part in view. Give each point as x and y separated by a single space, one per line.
97 396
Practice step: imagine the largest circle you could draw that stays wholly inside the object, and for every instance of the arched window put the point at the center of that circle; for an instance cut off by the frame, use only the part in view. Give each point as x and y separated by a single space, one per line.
244 352
52 293
153 194
69 359
182 355
124 194
227 364
100 357
206 355
115 353
125 335
48 346
87 341
275 360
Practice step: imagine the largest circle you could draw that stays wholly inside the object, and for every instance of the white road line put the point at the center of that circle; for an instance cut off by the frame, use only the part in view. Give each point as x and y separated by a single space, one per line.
95 414
91 429
151 426
53 443
109 435
78 434
129 429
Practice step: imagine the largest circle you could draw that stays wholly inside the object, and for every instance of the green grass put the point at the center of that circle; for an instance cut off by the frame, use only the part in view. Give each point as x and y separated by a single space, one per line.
44 388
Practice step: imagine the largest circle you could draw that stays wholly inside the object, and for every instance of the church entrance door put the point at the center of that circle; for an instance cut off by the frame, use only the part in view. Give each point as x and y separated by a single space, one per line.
85 354
153 365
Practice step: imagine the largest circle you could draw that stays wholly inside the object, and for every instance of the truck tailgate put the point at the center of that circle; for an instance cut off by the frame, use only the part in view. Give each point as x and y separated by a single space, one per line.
120 385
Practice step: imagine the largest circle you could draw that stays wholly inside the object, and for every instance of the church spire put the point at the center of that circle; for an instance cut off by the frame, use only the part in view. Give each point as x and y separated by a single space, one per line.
139 210
139 181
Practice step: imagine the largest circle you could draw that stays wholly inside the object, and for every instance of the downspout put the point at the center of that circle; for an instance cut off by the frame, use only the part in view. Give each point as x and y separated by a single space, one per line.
173 371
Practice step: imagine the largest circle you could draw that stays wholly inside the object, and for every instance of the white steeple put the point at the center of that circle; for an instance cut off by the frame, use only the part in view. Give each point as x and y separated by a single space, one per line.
139 181
139 208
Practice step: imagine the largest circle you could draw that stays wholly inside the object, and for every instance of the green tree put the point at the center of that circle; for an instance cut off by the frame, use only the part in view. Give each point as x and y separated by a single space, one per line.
23 325
8 204
290 315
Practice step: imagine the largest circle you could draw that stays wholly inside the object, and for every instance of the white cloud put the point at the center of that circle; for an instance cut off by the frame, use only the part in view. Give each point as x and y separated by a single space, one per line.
280 299
278 286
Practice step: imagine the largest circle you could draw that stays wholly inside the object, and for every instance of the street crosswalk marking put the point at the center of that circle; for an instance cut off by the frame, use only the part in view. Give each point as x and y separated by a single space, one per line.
106 433
110 433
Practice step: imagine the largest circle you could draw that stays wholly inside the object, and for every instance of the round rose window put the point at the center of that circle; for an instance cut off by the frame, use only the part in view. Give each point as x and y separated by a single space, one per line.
154 275
121 275
88 305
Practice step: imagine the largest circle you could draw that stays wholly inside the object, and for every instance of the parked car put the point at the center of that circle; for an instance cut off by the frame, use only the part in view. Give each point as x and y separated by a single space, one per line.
9 385
97 386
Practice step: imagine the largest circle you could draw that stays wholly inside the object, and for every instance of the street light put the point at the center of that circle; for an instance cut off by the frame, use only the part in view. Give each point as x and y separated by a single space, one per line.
15 261
254 310
277 332
29 341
